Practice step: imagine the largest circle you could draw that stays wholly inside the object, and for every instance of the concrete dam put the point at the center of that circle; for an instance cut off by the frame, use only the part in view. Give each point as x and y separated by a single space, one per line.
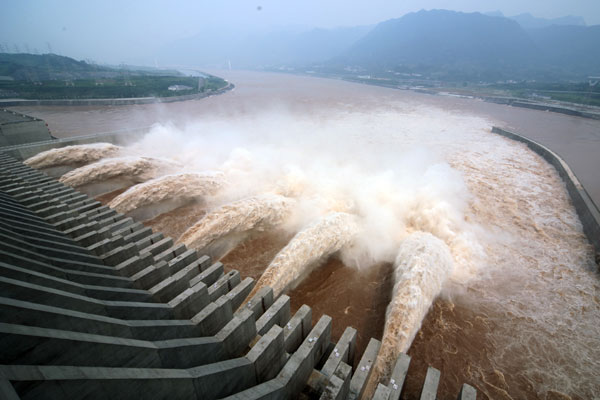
398 216
96 305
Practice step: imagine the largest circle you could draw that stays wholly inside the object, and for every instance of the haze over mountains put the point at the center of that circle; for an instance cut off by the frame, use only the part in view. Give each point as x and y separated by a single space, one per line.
446 44
268 49
443 38
460 45
528 21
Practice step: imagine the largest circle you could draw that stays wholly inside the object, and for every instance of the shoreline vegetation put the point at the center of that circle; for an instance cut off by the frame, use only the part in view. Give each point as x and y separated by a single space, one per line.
111 88
115 101
50 77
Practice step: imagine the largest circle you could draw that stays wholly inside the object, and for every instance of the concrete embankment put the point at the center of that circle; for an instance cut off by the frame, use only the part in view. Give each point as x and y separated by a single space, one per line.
584 205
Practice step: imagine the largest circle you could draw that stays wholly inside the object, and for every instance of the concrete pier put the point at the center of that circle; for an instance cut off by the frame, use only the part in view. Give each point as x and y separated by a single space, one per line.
95 305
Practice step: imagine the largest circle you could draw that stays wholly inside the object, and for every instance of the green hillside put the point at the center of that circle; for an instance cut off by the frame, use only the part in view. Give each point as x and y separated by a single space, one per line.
49 77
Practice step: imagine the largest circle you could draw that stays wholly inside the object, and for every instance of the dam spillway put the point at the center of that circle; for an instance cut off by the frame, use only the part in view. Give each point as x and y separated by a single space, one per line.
535 253
115 310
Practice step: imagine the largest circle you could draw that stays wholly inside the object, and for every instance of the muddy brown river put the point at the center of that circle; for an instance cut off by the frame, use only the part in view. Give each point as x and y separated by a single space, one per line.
519 316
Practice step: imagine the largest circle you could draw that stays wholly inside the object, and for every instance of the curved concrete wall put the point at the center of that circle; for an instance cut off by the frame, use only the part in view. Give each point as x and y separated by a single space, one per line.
585 206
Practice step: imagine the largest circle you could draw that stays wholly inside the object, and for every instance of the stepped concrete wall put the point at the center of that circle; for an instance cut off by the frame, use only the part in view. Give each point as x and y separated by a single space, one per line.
95 305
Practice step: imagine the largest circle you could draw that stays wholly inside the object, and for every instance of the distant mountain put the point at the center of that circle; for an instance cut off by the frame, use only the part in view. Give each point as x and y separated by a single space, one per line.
528 21
452 45
441 44
444 38
496 13
34 67
287 48
569 48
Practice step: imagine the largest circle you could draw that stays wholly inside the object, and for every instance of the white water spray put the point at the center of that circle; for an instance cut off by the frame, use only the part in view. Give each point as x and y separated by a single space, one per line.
237 219
56 162
114 173
312 244
166 193
422 266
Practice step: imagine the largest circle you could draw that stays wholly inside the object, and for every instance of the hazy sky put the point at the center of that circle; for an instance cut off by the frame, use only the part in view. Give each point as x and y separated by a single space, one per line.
131 30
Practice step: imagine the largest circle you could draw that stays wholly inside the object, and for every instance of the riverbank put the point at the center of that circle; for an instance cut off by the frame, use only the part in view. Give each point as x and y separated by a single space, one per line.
572 109
113 102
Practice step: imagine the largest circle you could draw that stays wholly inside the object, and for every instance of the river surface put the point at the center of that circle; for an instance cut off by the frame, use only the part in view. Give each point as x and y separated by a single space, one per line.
577 140
519 317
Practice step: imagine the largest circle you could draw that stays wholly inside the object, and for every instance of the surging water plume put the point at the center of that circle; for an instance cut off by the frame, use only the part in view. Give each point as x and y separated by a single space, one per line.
312 244
113 173
237 219
422 266
56 162
73 155
166 193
